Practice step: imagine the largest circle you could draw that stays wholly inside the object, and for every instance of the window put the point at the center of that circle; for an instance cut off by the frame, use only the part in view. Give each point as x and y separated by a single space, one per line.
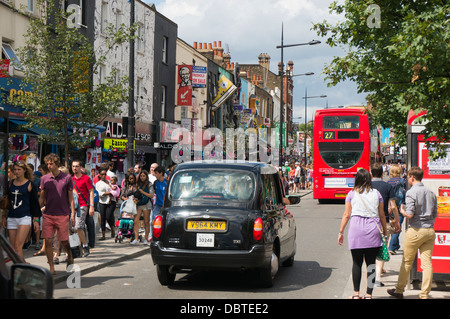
341 122
104 17
102 74
164 50
118 14
341 155
8 53
163 101
270 195
140 37
212 185
31 6
138 95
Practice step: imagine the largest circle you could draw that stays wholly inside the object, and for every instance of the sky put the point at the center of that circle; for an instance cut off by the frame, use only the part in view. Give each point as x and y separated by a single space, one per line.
250 27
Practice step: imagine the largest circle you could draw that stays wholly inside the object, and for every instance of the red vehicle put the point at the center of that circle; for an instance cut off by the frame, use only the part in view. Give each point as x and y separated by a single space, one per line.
343 142
436 176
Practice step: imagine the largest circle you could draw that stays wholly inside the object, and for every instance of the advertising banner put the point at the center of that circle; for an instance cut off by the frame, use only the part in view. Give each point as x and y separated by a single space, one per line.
199 76
184 88
226 89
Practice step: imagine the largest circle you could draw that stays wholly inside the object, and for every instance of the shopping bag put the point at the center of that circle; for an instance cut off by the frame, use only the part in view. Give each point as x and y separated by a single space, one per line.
75 245
74 240
129 206
383 253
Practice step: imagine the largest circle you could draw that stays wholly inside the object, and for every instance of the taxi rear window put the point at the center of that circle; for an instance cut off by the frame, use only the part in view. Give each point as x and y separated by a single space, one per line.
212 185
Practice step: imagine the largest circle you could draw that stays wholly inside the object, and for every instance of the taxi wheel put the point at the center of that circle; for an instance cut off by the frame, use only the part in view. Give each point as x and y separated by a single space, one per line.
164 276
268 272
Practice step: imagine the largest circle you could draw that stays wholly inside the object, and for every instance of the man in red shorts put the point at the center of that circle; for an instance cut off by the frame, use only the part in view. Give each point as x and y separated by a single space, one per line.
57 197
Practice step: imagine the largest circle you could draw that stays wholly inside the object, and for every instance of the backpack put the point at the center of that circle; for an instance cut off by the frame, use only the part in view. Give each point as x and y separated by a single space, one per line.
400 192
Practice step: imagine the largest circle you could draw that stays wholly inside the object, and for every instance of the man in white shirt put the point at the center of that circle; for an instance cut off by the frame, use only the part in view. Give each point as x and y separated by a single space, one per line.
151 175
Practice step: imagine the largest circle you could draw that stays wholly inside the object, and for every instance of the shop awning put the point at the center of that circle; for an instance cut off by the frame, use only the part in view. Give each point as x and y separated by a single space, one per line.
39 131
34 130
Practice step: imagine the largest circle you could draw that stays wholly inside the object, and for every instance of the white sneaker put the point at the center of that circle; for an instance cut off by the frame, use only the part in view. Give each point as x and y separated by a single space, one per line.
134 242
146 242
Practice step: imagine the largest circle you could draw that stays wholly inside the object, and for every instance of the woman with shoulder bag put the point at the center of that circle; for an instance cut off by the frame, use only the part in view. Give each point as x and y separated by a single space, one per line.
143 204
365 215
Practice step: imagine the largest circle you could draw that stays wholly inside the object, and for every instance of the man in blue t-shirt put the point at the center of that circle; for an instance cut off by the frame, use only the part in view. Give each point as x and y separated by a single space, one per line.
390 209
160 191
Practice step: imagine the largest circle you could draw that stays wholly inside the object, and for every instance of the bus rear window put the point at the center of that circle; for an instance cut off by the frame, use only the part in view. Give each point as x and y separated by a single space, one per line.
340 122
341 155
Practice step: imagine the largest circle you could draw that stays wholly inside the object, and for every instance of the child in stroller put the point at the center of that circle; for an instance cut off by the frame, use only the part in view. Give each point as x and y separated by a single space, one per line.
125 225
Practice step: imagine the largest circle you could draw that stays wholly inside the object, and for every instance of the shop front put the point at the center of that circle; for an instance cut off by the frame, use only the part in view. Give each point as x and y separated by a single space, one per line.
114 146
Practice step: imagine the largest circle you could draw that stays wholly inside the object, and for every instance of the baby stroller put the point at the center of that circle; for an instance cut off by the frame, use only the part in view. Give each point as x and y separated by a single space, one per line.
124 226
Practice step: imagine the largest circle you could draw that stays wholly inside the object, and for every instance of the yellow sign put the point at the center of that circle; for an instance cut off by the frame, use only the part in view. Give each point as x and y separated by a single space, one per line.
111 143
226 88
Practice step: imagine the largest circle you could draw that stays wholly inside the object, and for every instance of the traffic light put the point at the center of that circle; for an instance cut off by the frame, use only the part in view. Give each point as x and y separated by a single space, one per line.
397 150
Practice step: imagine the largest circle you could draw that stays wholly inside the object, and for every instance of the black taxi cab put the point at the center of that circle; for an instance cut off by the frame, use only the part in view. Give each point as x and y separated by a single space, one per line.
224 216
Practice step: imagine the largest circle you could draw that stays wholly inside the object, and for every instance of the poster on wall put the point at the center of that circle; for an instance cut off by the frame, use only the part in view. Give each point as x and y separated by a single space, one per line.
439 168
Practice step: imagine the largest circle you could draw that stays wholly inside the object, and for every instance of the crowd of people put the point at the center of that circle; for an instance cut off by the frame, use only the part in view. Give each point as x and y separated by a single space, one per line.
296 177
52 203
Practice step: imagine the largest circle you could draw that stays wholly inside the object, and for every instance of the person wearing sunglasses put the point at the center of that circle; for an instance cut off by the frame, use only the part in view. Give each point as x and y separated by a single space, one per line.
23 207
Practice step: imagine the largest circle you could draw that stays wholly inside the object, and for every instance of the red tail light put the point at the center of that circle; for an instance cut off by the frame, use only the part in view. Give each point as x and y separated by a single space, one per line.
157 226
258 229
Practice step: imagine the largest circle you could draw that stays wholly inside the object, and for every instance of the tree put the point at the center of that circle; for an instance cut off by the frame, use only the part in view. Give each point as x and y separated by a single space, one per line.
59 65
398 54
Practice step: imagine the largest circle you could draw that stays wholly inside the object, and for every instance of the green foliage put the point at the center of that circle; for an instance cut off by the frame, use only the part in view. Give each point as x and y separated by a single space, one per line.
59 66
402 64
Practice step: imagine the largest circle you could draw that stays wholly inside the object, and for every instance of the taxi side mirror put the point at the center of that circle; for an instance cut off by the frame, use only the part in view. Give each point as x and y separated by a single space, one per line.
31 282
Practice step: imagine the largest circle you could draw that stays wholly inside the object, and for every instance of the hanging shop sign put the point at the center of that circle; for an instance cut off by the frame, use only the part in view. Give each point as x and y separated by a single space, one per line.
184 87
226 89
199 76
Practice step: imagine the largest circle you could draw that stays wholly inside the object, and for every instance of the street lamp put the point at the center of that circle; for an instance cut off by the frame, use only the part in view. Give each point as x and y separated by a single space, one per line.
306 97
313 42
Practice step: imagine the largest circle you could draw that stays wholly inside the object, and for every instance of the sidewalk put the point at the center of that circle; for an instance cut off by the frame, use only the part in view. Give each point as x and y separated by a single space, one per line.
105 253
440 288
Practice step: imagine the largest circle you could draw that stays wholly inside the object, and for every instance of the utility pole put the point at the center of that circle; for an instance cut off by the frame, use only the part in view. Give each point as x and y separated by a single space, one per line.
131 119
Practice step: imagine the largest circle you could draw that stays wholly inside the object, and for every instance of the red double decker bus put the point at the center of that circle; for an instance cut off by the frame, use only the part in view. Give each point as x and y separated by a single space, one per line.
343 142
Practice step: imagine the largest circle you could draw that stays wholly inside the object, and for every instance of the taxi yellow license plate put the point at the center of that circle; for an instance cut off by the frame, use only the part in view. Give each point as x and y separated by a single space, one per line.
206 225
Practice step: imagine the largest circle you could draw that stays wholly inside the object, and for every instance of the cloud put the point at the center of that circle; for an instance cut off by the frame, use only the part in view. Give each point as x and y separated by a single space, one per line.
251 27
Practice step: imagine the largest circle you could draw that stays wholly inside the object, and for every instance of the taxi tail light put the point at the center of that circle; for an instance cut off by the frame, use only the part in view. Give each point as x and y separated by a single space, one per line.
258 229
157 226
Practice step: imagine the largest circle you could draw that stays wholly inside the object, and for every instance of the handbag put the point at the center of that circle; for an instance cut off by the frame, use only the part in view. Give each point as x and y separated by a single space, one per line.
383 252
4 202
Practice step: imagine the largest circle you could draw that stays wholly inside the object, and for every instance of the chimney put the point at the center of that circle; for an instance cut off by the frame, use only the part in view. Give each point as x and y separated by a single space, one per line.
280 68
291 66
264 60
200 46
195 45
